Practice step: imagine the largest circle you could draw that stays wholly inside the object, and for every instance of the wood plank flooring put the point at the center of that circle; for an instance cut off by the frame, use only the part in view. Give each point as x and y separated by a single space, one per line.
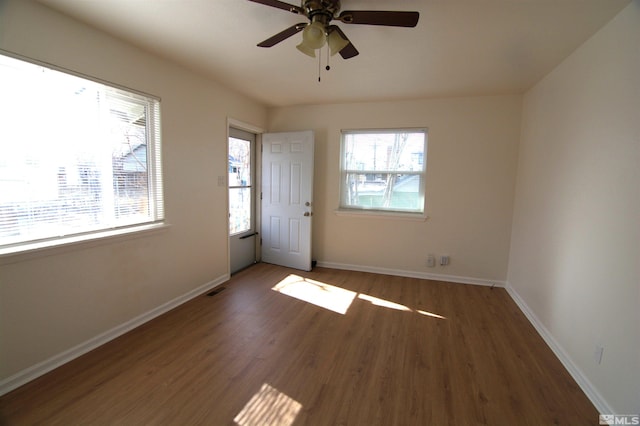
406 352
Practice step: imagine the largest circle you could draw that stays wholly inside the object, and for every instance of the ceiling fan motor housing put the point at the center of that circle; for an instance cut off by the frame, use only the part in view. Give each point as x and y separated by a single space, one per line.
321 10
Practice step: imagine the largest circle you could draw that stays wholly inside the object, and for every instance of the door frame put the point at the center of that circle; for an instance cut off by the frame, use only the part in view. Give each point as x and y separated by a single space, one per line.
241 125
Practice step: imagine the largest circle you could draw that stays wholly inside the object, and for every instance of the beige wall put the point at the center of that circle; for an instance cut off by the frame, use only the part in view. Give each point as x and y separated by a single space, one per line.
54 301
471 164
574 242
575 249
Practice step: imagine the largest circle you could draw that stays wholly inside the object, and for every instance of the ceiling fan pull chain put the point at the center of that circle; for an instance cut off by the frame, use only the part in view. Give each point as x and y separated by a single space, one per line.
319 66
328 67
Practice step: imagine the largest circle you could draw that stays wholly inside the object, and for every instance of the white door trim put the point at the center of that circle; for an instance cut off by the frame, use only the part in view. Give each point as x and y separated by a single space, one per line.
248 127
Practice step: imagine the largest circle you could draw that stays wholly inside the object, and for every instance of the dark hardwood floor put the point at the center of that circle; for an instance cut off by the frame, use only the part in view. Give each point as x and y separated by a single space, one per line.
405 352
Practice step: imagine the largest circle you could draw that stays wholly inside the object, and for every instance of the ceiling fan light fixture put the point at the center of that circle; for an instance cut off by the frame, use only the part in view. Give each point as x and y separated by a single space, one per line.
306 50
336 43
313 36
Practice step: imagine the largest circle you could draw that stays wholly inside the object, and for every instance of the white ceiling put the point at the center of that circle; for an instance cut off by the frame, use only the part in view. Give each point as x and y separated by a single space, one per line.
459 47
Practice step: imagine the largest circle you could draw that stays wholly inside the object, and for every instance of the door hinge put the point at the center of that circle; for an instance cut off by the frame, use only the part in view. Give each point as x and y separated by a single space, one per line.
260 240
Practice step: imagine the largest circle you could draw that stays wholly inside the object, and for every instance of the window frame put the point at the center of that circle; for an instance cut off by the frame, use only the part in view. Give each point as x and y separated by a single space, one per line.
381 212
155 186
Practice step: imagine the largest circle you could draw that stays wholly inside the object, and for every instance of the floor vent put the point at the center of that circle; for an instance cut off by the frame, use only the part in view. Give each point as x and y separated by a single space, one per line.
216 291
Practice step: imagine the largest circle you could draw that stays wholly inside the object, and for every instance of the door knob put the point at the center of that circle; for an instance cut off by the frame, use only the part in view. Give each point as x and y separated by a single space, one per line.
307 204
308 214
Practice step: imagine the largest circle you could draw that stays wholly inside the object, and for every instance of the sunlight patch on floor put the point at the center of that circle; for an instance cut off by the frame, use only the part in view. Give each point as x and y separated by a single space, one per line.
334 298
384 303
430 314
320 294
268 406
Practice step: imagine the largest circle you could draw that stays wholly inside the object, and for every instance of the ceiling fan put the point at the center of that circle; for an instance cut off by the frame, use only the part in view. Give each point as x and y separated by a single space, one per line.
319 31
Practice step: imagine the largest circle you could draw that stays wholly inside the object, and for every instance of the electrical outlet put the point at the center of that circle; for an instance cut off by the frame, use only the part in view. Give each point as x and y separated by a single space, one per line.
597 354
431 261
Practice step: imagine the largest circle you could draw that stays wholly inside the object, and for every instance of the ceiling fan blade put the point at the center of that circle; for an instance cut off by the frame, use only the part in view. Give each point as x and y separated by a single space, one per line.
349 51
281 5
380 17
282 35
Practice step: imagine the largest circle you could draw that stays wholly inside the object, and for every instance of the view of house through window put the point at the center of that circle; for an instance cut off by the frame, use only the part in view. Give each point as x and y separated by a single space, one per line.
76 156
384 170
240 185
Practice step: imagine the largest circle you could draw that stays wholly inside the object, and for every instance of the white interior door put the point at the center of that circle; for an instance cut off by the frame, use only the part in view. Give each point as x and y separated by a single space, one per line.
287 198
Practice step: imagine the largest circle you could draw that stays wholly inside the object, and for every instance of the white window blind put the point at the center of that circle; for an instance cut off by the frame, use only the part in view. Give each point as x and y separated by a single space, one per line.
76 156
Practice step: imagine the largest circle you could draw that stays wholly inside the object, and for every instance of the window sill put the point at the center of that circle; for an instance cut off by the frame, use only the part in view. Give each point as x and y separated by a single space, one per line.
413 217
29 251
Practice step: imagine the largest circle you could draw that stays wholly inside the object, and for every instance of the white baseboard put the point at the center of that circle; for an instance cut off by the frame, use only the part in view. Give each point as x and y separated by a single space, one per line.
587 387
413 274
37 370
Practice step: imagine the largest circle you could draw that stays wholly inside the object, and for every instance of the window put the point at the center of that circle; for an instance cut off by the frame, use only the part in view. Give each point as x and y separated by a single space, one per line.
240 183
76 156
383 170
